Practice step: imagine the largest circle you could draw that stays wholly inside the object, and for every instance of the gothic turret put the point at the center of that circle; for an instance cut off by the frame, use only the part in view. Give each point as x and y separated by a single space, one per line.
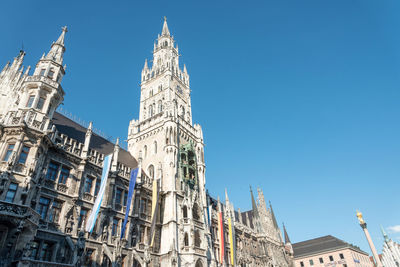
50 65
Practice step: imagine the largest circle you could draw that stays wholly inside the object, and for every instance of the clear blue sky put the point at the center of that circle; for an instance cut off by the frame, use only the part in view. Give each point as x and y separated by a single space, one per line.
300 98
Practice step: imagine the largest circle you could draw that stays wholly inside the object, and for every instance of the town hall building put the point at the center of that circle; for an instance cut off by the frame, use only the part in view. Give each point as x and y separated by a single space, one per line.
50 170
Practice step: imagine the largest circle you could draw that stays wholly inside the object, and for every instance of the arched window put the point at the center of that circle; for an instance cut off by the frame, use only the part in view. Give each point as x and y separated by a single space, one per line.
183 112
198 263
184 211
186 240
160 106
150 171
155 147
151 111
145 152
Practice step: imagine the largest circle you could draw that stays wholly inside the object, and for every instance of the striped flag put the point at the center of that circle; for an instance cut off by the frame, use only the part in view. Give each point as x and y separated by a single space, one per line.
232 240
132 182
96 207
154 211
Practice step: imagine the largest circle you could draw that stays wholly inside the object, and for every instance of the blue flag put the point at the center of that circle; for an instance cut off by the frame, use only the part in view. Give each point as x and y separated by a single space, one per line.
97 203
132 182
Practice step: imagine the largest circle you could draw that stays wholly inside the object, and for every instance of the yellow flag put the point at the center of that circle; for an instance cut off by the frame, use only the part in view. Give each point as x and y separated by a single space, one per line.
231 240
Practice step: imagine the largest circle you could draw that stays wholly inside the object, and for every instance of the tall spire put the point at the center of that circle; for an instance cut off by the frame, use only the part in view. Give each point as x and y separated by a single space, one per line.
57 50
253 203
165 30
385 236
226 196
273 216
287 240
60 39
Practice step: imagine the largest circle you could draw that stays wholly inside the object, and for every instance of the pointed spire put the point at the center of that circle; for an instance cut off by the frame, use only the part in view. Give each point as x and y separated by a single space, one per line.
273 216
57 50
287 240
184 68
226 196
60 39
385 236
253 203
146 67
165 30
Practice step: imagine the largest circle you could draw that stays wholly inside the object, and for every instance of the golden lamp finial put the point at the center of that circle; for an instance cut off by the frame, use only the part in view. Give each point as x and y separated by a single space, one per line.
360 218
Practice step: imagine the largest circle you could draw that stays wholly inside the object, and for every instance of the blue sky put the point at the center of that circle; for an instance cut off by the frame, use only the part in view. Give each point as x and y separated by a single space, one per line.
300 98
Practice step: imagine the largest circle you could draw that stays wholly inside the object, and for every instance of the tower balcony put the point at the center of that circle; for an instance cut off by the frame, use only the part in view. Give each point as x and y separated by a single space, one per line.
30 117
45 80
16 211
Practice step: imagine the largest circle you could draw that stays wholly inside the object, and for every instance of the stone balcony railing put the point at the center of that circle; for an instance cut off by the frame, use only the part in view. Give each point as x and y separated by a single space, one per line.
19 211
31 117
46 80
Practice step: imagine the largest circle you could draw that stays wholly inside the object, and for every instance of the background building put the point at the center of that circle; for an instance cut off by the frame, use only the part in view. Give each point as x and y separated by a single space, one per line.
50 168
329 251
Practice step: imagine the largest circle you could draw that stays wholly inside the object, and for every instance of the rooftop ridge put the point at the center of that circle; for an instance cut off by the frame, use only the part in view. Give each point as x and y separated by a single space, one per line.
122 143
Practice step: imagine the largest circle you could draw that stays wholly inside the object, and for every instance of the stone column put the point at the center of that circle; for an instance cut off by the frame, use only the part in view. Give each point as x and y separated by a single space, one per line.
363 225
371 245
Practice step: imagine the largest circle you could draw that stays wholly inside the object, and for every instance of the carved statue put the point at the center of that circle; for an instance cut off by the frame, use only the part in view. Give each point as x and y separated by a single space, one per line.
69 224
360 218
80 243
80 248
146 255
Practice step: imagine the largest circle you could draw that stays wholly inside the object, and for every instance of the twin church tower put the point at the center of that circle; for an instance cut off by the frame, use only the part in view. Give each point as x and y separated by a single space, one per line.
50 173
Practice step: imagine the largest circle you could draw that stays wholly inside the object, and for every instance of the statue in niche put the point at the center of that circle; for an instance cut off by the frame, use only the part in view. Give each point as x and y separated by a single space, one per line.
69 225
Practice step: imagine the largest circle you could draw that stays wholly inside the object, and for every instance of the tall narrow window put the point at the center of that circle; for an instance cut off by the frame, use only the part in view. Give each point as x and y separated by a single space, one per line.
23 155
50 74
30 101
55 211
12 190
43 207
118 196
97 188
186 240
125 198
114 229
52 170
155 147
46 252
34 249
9 151
42 72
88 184
40 103
64 174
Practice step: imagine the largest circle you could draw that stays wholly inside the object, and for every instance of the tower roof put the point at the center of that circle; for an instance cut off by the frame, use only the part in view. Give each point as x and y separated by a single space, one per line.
165 30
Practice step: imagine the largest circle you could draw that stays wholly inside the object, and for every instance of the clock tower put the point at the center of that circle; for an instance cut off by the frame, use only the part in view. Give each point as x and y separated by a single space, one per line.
170 149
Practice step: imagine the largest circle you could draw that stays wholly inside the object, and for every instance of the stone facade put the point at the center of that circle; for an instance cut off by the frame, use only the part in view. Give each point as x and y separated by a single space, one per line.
50 169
